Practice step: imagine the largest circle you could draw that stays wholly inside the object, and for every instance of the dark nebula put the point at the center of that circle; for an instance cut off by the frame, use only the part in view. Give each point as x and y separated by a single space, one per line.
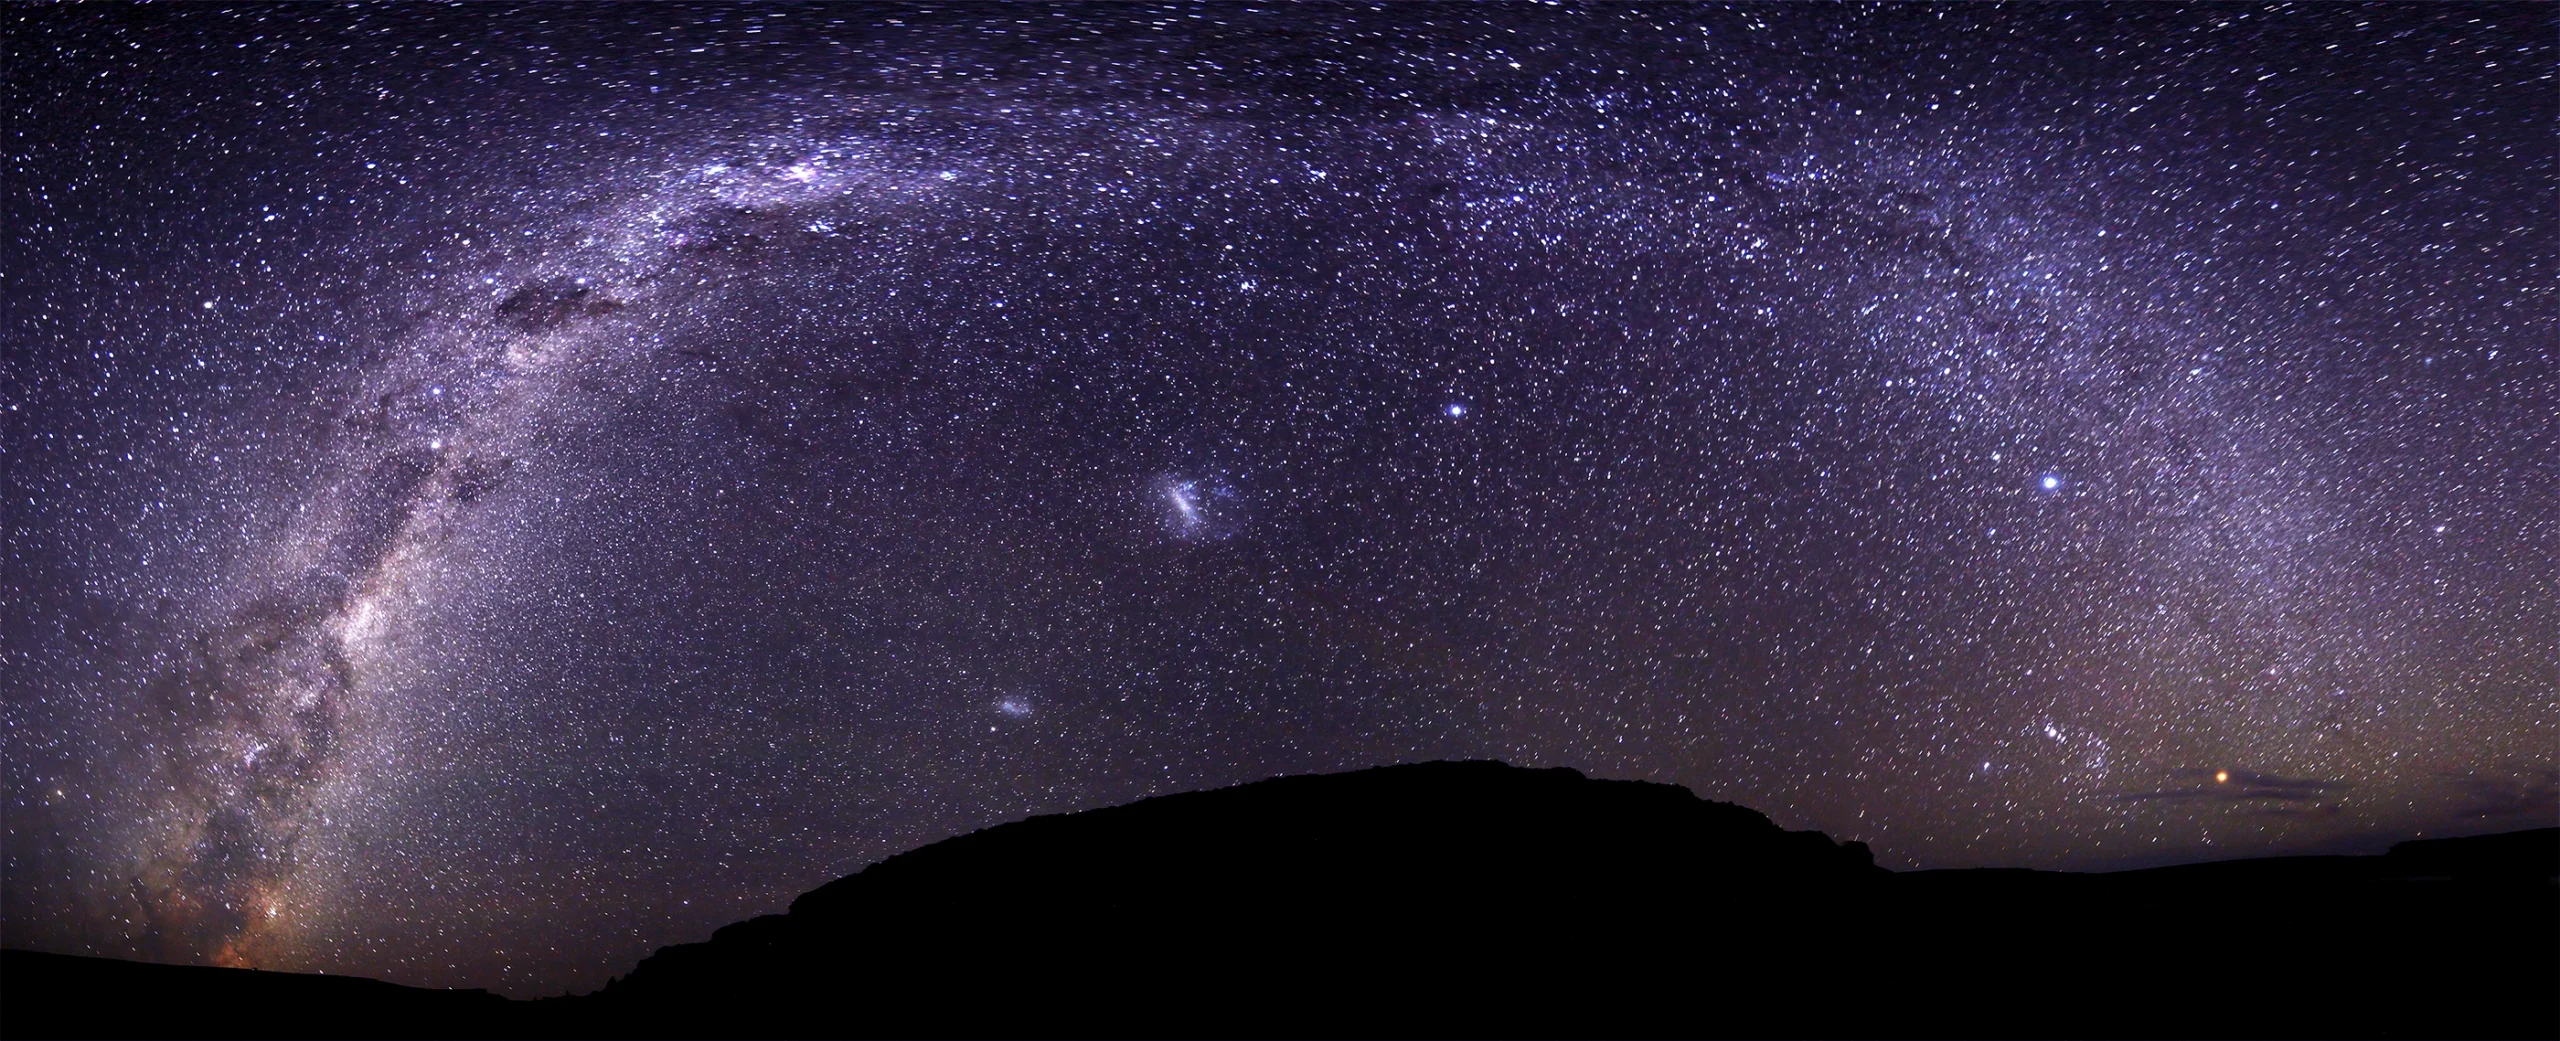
492 491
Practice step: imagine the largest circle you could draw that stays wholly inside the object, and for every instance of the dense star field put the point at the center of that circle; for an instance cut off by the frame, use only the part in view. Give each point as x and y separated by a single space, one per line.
492 491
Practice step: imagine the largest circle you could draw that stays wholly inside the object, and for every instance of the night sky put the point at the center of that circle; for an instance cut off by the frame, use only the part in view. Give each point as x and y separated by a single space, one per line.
491 491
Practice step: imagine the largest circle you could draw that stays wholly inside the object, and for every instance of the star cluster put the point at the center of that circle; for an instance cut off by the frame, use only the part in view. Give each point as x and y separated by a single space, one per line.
494 490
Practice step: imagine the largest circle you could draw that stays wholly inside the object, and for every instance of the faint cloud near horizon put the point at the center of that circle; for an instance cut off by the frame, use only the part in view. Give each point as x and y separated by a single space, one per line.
2288 796
2532 792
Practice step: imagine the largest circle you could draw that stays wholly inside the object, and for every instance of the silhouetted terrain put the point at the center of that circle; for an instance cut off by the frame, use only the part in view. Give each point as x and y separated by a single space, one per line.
58 995
1476 899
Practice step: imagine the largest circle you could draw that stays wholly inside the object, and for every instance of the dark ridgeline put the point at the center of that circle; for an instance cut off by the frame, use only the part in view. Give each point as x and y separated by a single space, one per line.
57 995
1476 899
1466 897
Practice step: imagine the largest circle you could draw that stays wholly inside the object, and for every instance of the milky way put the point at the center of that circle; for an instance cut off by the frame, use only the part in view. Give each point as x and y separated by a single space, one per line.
493 491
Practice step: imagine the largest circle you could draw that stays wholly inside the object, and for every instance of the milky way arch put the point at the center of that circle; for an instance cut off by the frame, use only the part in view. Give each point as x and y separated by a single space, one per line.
523 490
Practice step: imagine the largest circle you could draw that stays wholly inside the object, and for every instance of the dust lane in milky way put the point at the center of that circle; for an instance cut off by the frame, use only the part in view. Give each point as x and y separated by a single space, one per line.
493 492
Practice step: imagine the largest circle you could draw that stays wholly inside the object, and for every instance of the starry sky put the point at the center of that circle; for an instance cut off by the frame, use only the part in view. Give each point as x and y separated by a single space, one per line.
491 491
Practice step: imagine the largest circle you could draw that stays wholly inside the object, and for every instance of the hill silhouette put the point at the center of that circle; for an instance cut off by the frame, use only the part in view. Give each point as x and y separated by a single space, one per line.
1478 899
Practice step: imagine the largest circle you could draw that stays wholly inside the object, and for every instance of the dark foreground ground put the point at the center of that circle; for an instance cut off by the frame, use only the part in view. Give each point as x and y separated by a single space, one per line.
1479 900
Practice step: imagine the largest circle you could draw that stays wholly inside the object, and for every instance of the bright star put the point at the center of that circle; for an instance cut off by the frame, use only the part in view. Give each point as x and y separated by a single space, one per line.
1457 409
2051 482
